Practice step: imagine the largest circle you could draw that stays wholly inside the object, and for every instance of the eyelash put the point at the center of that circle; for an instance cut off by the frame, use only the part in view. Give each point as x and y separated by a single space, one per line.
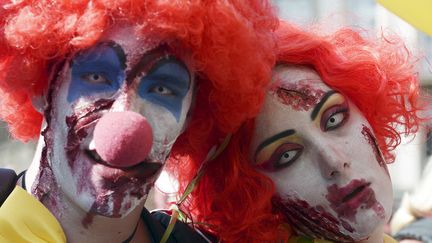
156 89
331 113
86 77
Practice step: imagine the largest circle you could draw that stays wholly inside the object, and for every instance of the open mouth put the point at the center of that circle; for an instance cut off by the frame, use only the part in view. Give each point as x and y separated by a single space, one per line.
145 169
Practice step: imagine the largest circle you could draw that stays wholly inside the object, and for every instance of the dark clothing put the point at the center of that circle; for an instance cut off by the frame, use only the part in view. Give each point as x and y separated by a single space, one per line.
156 221
420 229
8 180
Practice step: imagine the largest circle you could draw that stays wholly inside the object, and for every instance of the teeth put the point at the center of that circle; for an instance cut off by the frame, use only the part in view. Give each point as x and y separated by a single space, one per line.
92 145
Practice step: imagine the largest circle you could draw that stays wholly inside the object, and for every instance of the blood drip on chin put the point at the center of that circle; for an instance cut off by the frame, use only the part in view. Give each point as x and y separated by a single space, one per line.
372 141
301 97
311 221
117 199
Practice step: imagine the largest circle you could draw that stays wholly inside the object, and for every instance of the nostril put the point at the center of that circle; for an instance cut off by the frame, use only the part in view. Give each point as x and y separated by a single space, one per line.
334 173
123 139
346 165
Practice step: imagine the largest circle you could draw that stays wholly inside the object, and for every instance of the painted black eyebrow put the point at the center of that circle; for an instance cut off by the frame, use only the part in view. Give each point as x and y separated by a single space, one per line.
145 61
318 107
270 140
171 59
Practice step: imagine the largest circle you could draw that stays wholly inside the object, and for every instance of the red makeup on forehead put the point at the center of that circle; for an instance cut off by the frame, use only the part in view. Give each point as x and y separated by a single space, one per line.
300 96
367 133
313 221
346 200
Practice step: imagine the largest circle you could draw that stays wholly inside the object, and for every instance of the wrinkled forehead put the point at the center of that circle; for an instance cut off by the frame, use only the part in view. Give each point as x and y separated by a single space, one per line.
297 78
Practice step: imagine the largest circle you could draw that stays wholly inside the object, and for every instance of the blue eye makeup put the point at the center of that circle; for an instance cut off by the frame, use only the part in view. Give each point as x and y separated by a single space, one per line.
166 84
97 70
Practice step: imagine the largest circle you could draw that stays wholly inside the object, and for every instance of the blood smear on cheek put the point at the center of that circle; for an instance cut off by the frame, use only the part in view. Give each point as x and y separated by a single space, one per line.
313 221
373 143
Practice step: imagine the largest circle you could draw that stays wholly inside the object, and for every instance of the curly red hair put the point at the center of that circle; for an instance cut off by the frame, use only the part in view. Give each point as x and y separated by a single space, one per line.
227 38
378 75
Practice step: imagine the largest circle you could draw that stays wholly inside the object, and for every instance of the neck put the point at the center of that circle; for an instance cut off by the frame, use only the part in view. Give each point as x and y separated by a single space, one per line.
79 225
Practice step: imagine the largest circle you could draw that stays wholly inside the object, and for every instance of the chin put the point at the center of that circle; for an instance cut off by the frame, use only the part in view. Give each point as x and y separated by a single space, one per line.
116 196
112 203
367 223
115 206
96 190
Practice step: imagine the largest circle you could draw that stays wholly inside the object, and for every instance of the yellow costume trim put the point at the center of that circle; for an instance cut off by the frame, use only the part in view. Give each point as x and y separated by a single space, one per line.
415 12
389 239
25 219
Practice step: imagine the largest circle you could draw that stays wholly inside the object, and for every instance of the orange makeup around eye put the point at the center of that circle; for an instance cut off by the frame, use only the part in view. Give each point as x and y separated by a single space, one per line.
334 100
334 117
265 153
282 157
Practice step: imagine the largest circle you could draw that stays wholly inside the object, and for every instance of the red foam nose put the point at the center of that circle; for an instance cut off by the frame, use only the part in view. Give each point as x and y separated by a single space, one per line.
123 139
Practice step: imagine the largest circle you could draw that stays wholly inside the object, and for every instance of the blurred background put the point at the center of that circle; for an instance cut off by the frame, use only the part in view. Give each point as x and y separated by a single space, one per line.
412 155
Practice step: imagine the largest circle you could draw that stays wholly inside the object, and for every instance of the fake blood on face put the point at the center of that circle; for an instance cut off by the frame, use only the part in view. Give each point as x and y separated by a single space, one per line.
346 201
301 97
101 203
312 221
373 143
45 177
77 124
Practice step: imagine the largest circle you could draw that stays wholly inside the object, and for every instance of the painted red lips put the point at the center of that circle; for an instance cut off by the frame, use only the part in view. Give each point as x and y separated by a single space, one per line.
345 201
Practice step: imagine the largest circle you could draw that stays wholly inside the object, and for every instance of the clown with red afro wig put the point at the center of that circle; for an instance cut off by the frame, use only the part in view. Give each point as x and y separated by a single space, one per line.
81 74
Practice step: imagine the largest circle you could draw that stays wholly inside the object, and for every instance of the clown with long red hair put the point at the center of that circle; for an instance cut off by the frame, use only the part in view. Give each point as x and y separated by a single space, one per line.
313 162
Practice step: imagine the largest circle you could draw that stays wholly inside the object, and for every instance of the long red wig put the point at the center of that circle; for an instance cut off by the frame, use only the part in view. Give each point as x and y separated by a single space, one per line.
231 43
378 75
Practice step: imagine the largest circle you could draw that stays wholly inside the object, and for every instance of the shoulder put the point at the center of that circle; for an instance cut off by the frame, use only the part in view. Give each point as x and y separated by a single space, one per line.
182 232
8 180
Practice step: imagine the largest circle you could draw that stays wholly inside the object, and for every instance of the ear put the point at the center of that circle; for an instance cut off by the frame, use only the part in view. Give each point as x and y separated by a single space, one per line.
39 103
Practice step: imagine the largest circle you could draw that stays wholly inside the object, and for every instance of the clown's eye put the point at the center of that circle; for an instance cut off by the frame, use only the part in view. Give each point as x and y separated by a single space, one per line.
288 157
162 90
334 117
335 121
95 78
282 157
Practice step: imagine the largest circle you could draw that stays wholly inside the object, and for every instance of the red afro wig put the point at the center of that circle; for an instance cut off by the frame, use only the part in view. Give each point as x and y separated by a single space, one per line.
231 43
378 75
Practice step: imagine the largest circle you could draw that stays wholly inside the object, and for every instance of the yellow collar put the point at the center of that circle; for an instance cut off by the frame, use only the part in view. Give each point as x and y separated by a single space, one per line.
25 219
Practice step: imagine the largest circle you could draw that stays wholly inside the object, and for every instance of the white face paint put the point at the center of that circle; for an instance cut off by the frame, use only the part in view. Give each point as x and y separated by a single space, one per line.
123 72
321 154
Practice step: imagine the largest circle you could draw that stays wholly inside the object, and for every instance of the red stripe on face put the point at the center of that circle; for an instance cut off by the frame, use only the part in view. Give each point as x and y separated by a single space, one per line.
367 133
301 97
